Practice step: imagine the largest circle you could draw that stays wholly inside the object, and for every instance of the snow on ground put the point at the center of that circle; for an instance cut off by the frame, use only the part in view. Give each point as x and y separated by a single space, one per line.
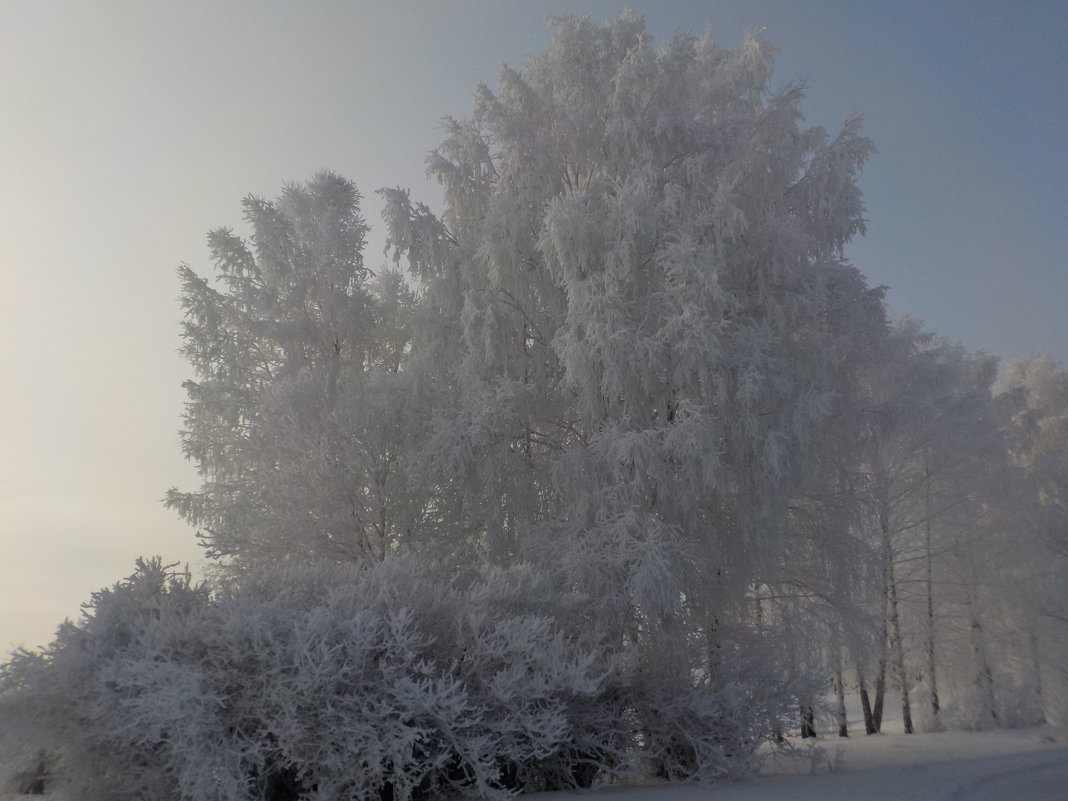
1025 764
1005 764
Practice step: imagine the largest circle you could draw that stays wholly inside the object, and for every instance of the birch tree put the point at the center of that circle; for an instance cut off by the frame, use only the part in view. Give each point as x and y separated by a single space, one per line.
1037 390
637 264
299 414
940 487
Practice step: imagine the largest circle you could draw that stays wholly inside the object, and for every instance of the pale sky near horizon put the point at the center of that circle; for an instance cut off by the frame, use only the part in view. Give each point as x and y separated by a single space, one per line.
129 129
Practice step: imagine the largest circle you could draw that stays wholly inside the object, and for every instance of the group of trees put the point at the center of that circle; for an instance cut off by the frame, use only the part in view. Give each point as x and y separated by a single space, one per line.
625 473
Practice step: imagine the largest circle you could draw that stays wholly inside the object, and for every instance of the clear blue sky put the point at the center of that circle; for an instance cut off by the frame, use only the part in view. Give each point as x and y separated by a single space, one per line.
131 128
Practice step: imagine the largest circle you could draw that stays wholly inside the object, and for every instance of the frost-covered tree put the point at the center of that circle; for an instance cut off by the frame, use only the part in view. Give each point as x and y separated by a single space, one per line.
813 601
635 272
299 415
1043 421
1037 390
941 505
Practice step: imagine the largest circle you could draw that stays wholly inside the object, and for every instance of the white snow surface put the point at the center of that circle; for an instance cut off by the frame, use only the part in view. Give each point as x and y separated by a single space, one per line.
1021 764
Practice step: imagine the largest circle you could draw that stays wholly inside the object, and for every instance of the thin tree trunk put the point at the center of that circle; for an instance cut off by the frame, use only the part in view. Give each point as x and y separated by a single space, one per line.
839 691
880 675
929 555
880 682
899 654
865 704
895 618
882 489
985 676
808 721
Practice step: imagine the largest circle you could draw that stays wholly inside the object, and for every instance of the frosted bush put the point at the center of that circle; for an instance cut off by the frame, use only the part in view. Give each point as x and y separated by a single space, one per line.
113 698
315 682
708 725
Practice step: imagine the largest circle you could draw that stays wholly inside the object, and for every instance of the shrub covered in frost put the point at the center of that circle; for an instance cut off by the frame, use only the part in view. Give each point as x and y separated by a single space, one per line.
114 702
314 681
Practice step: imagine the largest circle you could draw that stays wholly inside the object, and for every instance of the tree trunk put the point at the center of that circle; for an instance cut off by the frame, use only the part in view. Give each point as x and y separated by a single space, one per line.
932 675
865 704
808 721
899 653
984 675
880 676
839 691
880 684
897 646
882 489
